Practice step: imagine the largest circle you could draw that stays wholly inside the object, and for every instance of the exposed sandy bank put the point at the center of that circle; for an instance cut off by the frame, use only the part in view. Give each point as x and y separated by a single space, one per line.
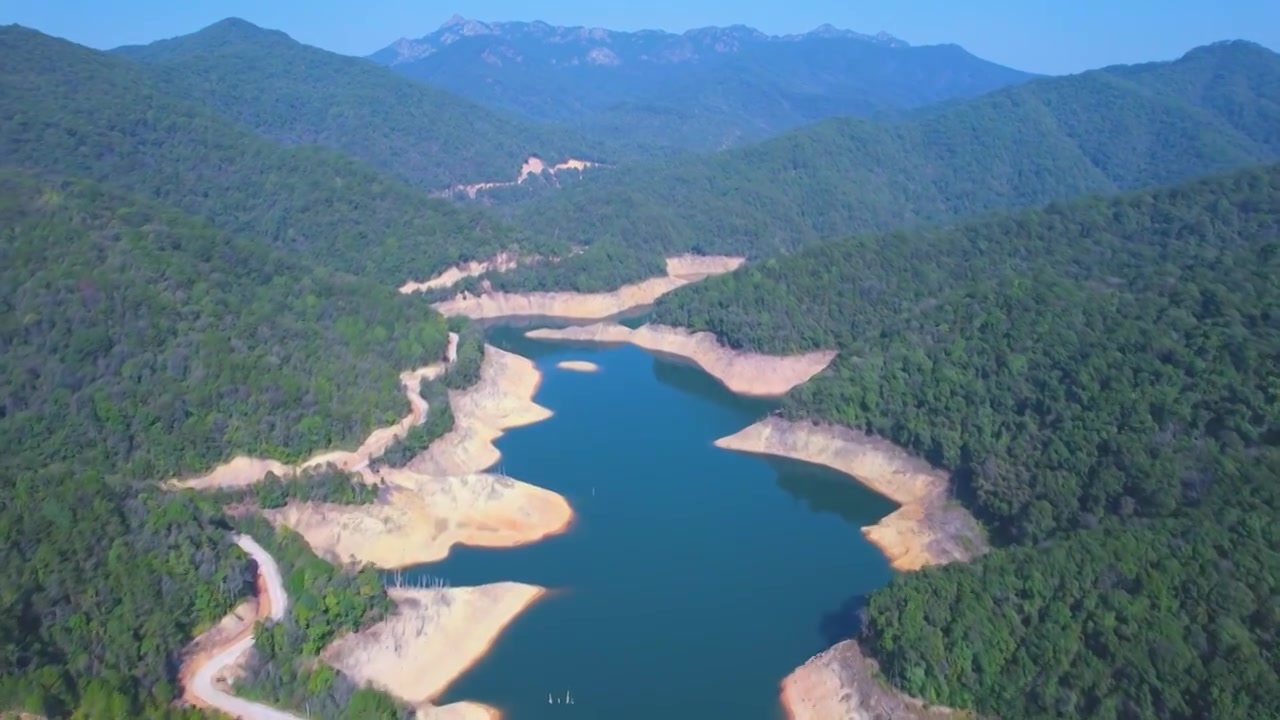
681 271
433 636
578 366
242 471
501 262
459 711
745 373
843 684
927 530
422 517
532 166
500 400
442 498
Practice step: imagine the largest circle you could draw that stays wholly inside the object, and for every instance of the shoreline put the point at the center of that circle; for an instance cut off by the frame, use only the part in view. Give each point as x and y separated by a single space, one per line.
432 638
502 262
421 521
926 529
843 682
681 270
742 372
243 470
581 366
442 498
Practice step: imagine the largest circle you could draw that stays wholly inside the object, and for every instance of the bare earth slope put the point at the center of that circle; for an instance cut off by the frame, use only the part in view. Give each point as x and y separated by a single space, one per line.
681 270
745 373
433 636
443 498
841 683
929 529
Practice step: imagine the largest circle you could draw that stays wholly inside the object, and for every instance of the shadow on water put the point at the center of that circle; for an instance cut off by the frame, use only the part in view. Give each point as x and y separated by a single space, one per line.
689 379
694 578
844 622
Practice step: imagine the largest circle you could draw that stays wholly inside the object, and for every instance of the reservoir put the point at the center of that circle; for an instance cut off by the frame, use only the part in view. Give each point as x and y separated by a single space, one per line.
693 580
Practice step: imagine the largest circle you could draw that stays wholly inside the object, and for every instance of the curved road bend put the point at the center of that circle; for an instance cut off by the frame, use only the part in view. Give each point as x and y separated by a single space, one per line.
202 684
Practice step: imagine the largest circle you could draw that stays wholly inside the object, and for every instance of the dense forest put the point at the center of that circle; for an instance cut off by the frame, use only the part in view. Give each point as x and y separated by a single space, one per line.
324 602
77 112
1101 376
327 484
137 344
300 95
1215 109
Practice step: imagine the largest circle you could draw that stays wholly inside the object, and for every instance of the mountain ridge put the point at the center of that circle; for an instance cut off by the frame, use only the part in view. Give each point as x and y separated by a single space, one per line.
406 49
1215 109
704 89
297 94
78 112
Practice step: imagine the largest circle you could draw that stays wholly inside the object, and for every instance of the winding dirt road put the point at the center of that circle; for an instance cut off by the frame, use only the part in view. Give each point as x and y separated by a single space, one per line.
203 684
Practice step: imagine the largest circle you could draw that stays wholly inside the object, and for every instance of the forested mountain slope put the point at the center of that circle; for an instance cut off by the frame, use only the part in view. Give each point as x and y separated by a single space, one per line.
69 110
1215 109
704 89
1101 376
297 94
138 343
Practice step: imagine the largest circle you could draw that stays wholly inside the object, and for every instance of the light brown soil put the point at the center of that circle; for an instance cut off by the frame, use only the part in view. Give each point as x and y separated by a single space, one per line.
459 711
531 167
502 262
433 636
502 399
928 529
745 373
583 366
442 498
681 271
843 684
422 517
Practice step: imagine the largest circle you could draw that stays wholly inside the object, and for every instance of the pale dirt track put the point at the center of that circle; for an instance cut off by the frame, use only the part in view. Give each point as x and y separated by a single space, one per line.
204 684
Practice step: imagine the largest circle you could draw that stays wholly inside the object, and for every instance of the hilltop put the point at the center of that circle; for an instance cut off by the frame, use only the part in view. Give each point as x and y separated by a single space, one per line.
83 113
301 95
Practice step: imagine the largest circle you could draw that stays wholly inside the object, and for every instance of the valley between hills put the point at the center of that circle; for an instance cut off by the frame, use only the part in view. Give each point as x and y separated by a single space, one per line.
1038 315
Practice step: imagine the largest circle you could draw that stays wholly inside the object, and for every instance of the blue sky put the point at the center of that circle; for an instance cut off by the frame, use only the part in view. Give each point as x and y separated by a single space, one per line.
1051 36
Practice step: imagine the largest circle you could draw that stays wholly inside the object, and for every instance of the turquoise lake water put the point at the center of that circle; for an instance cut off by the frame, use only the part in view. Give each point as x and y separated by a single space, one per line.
693 580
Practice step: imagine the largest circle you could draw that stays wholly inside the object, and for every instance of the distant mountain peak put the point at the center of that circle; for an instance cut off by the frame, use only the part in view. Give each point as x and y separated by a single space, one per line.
228 33
679 47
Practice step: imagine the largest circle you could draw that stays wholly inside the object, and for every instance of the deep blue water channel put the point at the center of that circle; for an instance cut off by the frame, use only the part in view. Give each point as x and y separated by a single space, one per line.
694 578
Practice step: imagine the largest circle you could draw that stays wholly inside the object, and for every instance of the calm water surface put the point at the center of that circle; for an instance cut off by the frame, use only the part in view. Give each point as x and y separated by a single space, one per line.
694 578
